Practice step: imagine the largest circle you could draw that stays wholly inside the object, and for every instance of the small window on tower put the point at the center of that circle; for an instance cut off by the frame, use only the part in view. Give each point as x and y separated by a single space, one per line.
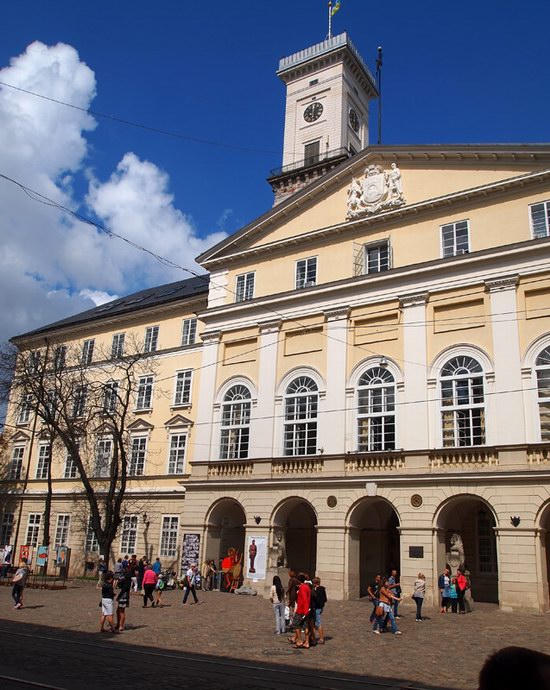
313 82
311 153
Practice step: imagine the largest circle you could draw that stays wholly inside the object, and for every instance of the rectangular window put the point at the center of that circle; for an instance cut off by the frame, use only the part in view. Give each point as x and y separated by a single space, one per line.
92 545
110 397
144 393
189 331
16 465
25 409
138 453
176 461
71 470
540 219
454 238
377 257
7 528
311 153
79 401
44 458
169 536
103 454
486 544
117 347
182 395
128 539
306 272
88 351
34 361
245 287
33 529
62 530
60 357
151 338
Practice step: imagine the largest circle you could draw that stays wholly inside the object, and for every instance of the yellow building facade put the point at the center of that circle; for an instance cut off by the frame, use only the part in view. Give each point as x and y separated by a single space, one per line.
361 382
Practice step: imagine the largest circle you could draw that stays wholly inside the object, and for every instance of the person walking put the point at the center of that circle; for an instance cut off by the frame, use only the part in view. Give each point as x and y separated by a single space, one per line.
384 610
444 585
393 583
277 598
19 582
419 593
190 582
301 613
373 590
101 570
149 583
107 603
318 603
123 600
159 589
141 572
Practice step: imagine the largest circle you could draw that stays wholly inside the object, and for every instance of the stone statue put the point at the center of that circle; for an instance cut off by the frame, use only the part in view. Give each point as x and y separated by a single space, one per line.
456 552
280 546
395 182
355 194
379 190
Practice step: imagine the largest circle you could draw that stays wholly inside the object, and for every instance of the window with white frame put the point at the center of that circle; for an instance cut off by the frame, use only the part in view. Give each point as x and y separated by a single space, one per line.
44 459
62 530
71 469
189 331
110 397
540 219
376 257
16 465
176 458
33 529
169 536
128 538
103 456
376 410
300 426
138 453
455 238
60 357
80 396
34 361
87 351
92 544
151 338
144 393
25 409
306 272
235 424
486 543
51 402
244 289
182 393
462 402
117 346
6 530
542 369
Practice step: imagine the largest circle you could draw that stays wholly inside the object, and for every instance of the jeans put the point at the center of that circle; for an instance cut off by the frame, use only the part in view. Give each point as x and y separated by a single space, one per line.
454 604
382 620
218 579
418 601
192 590
373 613
279 609
461 606
395 606
16 593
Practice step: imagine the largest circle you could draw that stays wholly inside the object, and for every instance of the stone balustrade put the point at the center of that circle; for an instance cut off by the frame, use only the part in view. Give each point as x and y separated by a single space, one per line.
463 458
374 462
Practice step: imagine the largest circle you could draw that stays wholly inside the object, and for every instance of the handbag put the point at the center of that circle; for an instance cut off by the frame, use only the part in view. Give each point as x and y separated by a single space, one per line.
379 610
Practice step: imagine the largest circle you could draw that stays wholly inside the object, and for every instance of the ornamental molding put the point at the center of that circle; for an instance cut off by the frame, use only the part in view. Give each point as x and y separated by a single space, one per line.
270 326
211 337
416 300
337 314
379 190
504 283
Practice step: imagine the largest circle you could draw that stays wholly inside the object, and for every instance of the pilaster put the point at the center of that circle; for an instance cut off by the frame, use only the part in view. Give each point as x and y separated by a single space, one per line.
332 434
203 426
263 423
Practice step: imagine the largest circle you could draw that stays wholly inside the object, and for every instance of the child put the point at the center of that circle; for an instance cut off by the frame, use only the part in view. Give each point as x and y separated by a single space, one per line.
107 597
453 596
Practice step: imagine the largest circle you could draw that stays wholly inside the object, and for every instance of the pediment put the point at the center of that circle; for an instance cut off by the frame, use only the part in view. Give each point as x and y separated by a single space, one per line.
428 174
140 425
20 437
178 420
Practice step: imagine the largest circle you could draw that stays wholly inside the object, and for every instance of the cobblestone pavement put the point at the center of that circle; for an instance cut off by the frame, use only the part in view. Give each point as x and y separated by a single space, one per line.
445 651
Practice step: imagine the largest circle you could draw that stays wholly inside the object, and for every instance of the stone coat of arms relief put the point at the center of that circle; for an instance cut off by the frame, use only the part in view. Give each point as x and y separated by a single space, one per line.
379 190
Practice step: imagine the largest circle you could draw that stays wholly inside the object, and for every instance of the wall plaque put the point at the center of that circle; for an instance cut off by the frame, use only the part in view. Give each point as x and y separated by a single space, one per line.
416 552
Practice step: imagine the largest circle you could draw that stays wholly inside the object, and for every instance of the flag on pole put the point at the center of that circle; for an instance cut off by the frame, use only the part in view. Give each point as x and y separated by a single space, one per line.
336 7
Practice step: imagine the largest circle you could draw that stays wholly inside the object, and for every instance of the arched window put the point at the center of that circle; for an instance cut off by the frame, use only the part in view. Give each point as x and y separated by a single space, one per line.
462 402
301 403
376 410
542 367
235 427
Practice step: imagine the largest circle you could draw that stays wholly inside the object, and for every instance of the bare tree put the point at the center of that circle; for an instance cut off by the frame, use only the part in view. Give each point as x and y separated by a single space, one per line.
87 408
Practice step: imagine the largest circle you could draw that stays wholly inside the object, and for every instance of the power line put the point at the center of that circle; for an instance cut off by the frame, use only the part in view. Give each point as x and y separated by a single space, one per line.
138 125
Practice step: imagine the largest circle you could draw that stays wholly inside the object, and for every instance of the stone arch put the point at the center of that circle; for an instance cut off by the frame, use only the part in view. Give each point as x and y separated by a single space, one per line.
296 519
542 524
374 546
224 529
236 381
474 520
457 350
301 371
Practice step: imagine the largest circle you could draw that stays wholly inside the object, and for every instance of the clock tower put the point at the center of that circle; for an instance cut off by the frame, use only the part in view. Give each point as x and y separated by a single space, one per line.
328 89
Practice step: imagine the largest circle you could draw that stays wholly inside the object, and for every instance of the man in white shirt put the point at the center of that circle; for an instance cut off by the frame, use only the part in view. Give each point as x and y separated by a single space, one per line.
190 581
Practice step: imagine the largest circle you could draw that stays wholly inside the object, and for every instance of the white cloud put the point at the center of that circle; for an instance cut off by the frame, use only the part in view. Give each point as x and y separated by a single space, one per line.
50 265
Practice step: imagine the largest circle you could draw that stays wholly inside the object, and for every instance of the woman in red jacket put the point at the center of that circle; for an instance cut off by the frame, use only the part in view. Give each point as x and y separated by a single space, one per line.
461 587
301 614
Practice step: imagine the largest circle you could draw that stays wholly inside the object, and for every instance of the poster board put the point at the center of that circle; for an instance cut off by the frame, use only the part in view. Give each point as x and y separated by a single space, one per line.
255 557
191 550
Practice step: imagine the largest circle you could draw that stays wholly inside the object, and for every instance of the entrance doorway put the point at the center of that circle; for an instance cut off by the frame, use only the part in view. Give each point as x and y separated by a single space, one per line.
297 521
466 532
374 544
225 530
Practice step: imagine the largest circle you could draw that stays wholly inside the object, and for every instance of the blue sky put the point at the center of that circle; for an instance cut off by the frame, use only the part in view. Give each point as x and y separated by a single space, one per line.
468 72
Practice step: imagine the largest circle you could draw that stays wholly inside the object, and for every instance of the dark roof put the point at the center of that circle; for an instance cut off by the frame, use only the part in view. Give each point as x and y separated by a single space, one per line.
152 297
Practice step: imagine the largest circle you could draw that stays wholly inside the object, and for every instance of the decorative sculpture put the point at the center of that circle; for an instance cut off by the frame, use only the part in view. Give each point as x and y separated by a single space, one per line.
456 552
379 190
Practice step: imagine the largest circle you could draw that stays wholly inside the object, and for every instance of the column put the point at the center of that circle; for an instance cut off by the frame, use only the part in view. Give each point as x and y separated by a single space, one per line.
507 402
413 414
518 588
332 429
203 427
331 566
263 419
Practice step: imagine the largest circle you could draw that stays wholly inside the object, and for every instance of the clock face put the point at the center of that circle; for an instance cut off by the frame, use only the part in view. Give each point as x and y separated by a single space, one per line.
353 120
313 112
